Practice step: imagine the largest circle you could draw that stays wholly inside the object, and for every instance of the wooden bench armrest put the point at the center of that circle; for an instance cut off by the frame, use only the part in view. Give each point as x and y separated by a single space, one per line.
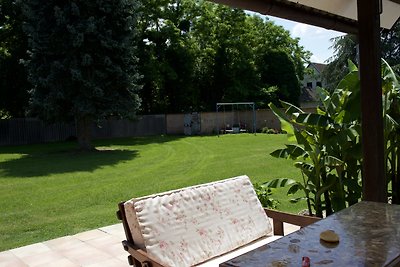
279 217
139 257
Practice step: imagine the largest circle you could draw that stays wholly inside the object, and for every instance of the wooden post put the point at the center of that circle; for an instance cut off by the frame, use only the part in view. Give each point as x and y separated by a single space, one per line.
374 182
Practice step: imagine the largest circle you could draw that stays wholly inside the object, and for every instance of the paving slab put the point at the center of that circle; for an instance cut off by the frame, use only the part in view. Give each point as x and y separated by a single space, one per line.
94 248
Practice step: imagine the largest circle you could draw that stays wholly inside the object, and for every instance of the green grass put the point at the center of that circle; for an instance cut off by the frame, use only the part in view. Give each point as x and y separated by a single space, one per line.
50 190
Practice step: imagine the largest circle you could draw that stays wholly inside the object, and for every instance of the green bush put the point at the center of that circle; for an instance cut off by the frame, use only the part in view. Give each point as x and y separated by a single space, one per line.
328 149
264 194
267 130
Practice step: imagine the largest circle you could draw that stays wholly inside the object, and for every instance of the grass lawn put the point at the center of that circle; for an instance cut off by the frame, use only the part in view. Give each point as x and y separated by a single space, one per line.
50 190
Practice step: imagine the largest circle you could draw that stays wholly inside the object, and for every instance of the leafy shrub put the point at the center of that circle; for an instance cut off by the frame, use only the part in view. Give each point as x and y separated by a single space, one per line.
327 149
4 114
267 130
264 194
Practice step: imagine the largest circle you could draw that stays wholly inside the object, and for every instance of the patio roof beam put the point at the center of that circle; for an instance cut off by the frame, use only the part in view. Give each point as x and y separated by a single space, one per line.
296 12
374 182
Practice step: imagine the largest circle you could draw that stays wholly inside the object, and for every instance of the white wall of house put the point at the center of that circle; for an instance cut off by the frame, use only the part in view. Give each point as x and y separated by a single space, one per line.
314 79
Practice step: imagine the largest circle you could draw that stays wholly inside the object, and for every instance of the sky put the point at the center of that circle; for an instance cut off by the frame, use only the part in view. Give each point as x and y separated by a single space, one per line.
314 39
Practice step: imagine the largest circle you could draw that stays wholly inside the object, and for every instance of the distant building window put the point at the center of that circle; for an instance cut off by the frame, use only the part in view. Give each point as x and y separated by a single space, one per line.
309 85
319 84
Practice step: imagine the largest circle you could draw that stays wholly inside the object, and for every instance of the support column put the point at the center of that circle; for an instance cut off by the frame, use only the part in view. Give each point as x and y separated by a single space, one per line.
374 182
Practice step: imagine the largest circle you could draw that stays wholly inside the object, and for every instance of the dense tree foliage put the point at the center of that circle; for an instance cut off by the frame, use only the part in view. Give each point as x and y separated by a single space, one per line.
13 45
166 57
345 48
82 63
390 44
196 53
191 54
225 63
271 74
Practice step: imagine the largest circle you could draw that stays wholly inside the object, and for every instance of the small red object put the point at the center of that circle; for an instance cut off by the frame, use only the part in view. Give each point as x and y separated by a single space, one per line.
305 262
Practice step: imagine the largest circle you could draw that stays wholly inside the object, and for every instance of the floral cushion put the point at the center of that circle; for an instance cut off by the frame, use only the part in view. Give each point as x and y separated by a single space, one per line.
191 225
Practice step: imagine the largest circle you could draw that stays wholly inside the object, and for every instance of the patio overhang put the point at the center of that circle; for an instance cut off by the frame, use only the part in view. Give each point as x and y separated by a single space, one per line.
364 18
296 12
339 15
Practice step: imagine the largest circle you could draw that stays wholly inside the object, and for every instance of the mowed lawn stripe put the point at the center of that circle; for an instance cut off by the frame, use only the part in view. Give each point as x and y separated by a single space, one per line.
51 190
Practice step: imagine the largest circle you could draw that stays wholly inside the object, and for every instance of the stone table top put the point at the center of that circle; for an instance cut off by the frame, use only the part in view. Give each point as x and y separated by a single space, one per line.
369 235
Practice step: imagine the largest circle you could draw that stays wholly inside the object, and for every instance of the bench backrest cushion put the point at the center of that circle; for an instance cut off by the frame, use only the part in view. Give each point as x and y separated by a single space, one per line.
191 225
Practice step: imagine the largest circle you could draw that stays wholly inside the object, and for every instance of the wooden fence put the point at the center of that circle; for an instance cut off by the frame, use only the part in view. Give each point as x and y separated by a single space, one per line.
31 131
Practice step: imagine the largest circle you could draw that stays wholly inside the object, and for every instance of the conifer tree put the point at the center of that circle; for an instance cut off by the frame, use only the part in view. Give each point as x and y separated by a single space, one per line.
82 62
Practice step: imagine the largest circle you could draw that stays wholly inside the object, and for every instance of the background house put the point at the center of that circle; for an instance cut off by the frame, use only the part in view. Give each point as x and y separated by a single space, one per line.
312 80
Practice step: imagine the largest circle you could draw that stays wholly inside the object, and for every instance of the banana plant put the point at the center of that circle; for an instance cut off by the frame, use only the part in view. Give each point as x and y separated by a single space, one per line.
391 113
327 149
309 131
328 143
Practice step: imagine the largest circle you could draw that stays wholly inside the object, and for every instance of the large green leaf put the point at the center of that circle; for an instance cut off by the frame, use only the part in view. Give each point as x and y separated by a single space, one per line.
286 124
333 161
391 123
330 182
306 168
291 151
294 188
389 74
303 138
335 102
296 200
352 107
350 82
353 132
323 96
304 165
352 66
280 153
295 151
314 120
278 112
279 182
290 108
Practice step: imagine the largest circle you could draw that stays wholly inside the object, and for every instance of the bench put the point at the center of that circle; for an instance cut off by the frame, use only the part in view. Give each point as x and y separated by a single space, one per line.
202 225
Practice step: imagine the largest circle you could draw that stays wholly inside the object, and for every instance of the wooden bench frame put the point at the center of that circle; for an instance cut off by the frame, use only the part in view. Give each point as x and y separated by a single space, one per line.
139 258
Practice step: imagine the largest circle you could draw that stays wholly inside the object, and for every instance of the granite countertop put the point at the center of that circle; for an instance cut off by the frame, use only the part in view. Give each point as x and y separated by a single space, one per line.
369 235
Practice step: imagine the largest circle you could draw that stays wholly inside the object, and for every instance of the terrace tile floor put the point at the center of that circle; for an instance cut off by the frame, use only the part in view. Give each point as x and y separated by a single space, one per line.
95 248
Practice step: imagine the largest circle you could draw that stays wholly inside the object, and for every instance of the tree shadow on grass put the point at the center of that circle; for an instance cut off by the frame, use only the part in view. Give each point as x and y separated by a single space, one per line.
63 157
42 164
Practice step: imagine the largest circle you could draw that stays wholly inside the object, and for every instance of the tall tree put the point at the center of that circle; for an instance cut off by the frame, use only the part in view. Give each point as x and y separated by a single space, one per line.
231 44
196 53
390 45
278 70
345 48
226 70
267 36
14 85
82 61
166 56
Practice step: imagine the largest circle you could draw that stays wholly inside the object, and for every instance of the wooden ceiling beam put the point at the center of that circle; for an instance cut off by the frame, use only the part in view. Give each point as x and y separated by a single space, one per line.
296 12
